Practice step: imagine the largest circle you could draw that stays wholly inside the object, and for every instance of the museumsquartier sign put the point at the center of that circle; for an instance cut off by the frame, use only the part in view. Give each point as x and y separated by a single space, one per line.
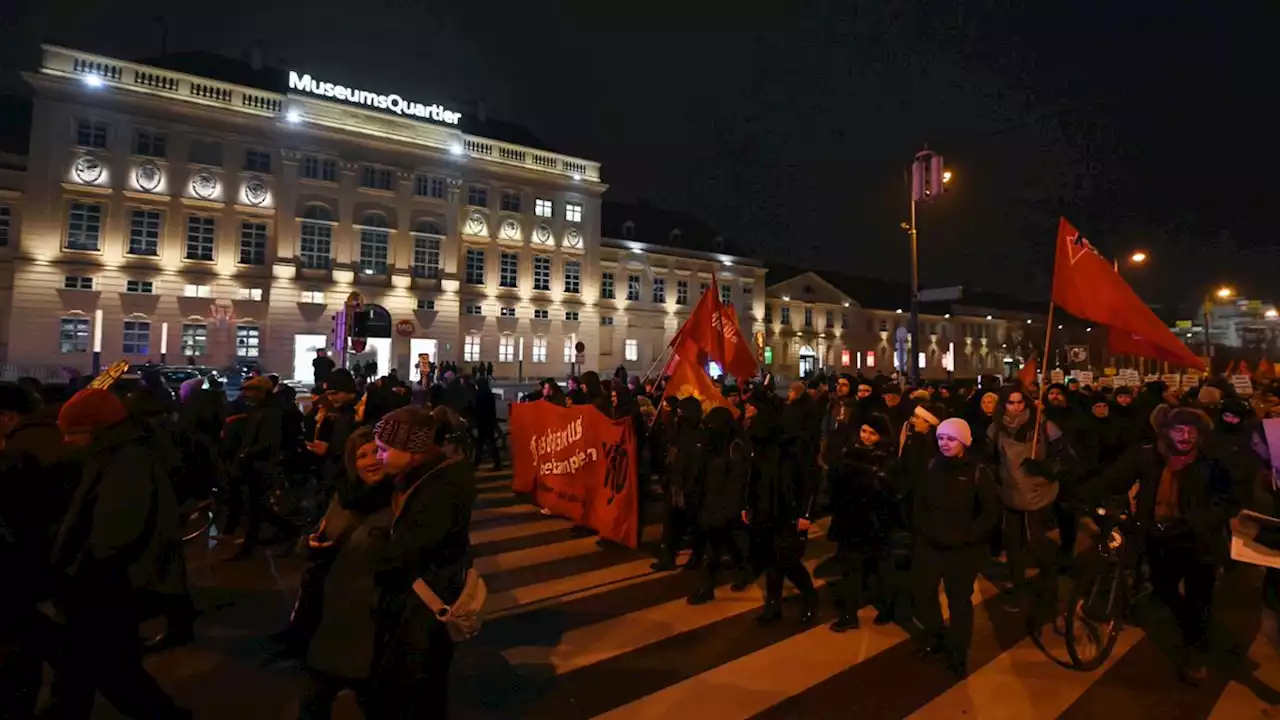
393 103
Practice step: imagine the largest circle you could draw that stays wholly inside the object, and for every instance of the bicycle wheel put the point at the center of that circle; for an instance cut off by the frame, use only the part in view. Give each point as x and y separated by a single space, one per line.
1095 616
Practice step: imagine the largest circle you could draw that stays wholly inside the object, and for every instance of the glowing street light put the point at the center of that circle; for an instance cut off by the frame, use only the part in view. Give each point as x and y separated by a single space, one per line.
946 176
1225 292
1271 314
1138 258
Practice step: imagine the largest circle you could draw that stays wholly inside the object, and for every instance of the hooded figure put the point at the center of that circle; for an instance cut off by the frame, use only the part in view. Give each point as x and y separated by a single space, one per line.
723 462
781 496
681 512
863 515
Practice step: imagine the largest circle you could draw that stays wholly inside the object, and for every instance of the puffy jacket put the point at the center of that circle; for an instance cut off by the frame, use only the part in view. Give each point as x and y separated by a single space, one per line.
956 503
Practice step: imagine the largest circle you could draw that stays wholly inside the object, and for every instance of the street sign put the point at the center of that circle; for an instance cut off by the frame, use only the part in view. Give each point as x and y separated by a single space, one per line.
944 293
1078 354
405 328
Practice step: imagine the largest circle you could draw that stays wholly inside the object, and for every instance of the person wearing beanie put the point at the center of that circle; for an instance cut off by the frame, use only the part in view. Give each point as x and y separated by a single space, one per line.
1209 397
863 516
328 438
955 509
434 492
119 548
1186 495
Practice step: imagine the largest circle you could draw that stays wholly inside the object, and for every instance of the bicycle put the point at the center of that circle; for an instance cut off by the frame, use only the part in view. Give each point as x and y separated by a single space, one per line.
1101 594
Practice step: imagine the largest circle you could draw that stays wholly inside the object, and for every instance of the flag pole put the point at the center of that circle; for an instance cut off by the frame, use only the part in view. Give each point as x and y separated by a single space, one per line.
1048 332
661 355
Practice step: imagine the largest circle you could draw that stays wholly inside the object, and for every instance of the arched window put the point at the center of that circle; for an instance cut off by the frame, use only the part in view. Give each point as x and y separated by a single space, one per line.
375 242
315 239
428 227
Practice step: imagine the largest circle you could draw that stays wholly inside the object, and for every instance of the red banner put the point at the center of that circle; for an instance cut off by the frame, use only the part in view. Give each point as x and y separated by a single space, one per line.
579 464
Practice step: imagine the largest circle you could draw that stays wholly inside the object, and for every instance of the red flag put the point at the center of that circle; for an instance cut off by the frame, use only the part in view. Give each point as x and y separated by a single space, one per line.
1088 287
1027 375
712 333
690 380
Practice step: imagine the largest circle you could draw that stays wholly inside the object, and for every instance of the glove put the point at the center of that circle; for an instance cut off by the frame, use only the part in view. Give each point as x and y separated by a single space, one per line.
1038 468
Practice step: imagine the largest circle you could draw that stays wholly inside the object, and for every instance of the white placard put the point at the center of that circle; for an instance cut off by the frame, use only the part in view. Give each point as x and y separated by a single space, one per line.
1243 386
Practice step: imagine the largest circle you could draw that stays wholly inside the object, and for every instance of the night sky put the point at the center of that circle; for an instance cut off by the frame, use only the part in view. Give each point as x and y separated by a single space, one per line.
1150 124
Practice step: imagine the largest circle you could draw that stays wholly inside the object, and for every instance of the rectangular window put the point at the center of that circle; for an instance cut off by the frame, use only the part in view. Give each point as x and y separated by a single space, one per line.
247 341
747 295
475 266
606 285
137 337
633 287
659 290
631 349
508 270
197 291
478 195
682 292
427 305
376 178
474 309
606 319
510 201
831 319
201 238
726 294
250 293
786 315
84 227
768 313
572 276
471 349
77 282
311 297
323 169
573 212
426 256
540 350
149 143
73 335
91 134
142 287
507 311
144 232
542 207
257 161
571 315
431 186
315 245
702 289
206 152
253 243
568 350
5 220
374 247
506 349
541 314
808 317
195 338
541 272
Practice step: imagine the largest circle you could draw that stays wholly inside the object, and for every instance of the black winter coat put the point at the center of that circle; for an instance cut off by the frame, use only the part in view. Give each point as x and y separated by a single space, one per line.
722 490
956 503
863 497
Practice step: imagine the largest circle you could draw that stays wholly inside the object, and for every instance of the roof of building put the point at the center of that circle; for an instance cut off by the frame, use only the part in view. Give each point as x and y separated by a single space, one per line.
880 293
649 224
475 119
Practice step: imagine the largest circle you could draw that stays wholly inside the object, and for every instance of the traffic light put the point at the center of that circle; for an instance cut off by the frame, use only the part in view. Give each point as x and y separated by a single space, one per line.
928 177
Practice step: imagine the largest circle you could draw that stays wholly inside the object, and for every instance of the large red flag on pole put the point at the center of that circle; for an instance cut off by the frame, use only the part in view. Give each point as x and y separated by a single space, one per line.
712 333
1089 287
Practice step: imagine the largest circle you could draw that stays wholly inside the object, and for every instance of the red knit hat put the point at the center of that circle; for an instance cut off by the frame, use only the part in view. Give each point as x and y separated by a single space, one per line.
90 410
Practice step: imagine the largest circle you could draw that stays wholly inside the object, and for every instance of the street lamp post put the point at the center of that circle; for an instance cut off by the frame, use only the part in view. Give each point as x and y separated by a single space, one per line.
1222 293
928 182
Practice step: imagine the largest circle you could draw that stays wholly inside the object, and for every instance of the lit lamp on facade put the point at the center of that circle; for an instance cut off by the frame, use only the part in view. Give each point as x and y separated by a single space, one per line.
97 341
164 342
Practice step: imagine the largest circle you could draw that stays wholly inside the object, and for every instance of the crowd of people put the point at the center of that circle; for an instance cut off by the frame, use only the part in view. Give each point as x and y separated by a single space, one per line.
94 488
927 486
924 488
